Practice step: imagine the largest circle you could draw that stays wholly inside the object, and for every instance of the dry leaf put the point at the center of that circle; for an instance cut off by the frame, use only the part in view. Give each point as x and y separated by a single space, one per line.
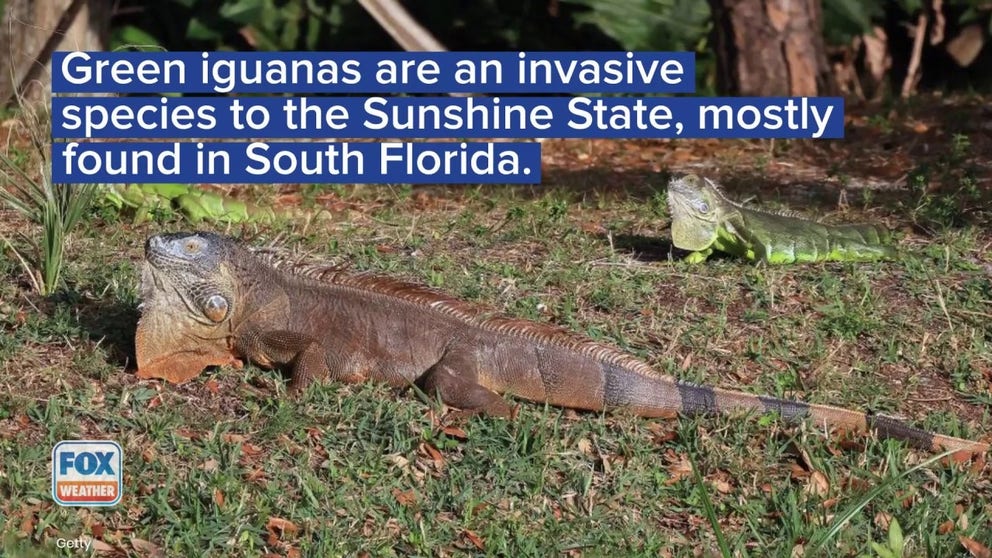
797 471
187 433
722 486
255 475
146 547
679 470
27 525
397 459
278 526
474 539
975 548
856 484
250 449
455 432
585 446
883 520
434 454
148 455
209 465
99 546
661 436
818 484
212 386
405 498
218 497
945 527
97 530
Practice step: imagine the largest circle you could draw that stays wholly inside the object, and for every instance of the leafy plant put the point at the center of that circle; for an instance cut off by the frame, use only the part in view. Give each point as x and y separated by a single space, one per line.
56 208
264 25
895 546
650 24
665 25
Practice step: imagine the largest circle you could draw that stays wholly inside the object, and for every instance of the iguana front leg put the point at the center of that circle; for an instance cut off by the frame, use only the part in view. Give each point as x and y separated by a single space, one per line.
699 256
454 380
305 357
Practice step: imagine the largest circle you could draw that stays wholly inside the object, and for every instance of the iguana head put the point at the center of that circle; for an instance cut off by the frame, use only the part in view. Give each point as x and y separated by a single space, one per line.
695 207
188 292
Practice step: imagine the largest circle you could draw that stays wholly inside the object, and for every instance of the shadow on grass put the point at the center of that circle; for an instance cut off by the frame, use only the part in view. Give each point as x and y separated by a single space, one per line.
112 324
645 248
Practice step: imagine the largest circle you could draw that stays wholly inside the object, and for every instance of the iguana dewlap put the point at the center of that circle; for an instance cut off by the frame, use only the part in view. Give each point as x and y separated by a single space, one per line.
705 220
166 342
208 300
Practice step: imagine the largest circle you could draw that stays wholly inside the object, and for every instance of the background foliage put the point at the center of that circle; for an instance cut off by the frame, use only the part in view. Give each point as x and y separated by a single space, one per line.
533 25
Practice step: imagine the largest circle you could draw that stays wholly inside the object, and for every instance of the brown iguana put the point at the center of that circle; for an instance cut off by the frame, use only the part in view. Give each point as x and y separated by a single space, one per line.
704 220
207 300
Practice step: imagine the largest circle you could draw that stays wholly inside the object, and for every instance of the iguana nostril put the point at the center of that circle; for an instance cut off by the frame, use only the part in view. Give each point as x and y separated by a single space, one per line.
154 242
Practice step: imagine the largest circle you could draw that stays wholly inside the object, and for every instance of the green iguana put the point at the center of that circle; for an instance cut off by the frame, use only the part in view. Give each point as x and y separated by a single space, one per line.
196 204
704 220
207 300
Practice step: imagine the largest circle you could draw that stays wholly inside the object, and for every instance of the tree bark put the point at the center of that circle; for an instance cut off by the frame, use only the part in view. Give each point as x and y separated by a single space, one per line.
770 47
32 29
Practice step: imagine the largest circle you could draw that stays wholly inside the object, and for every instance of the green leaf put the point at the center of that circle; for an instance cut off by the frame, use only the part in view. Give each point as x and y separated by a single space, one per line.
881 551
896 541
131 36
242 12
199 31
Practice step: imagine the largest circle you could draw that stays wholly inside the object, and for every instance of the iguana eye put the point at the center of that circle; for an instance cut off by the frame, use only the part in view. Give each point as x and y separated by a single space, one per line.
215 308
191 246
703 207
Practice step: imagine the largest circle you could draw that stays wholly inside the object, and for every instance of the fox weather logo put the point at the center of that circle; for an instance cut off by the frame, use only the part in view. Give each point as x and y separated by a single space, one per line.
87 473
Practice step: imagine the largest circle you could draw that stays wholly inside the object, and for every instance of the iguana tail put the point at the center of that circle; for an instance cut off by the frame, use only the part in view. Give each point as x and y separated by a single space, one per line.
855 242
632 386
696 398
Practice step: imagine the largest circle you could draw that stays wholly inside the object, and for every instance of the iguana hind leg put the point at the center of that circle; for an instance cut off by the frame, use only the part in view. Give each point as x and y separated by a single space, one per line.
454 381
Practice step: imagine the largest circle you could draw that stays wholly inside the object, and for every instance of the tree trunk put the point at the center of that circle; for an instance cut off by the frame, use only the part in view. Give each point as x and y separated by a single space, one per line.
33 29
770 47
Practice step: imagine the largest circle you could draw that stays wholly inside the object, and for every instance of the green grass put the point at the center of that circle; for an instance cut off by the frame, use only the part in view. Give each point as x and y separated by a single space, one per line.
225 466
55 208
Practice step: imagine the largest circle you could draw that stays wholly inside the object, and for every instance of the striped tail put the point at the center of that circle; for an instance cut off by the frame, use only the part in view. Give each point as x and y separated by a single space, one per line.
660 395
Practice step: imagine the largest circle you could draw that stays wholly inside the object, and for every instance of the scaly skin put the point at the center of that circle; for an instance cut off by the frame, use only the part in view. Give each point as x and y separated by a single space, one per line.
208 300
704 220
